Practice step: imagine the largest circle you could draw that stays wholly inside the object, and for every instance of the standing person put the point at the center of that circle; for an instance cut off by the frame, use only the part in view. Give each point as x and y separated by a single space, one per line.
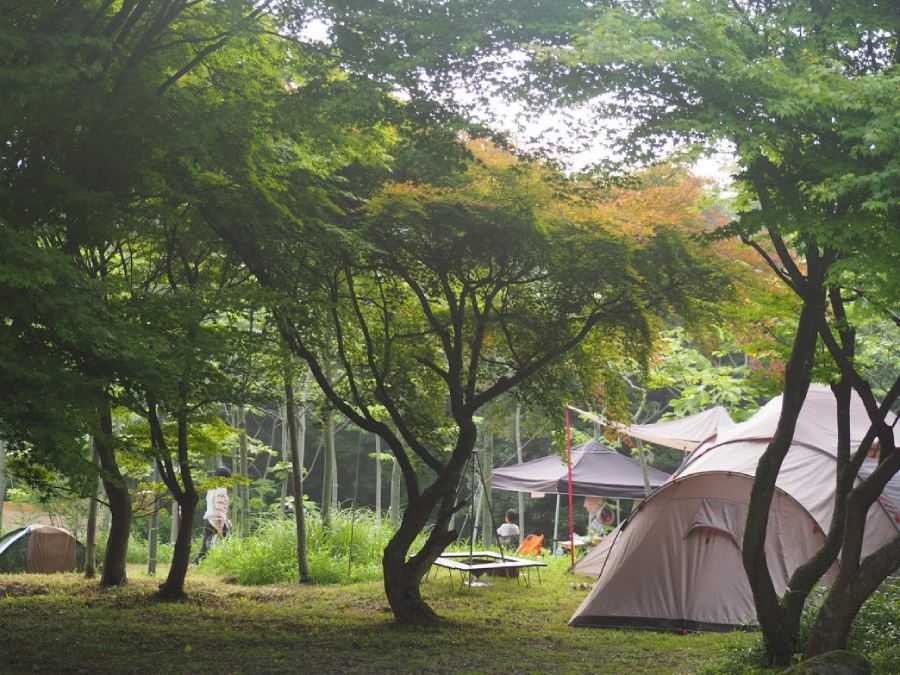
216 516
508 532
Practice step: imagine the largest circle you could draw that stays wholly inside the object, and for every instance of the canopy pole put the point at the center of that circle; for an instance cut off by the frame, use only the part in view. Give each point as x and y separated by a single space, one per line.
556 523
487 501
520 501
571 498
474 515
644 472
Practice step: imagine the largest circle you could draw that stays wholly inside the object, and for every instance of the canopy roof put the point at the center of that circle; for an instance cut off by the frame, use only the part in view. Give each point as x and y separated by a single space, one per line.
685 433
597 471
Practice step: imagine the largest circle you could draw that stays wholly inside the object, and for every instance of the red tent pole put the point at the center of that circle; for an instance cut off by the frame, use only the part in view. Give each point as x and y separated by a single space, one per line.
571 502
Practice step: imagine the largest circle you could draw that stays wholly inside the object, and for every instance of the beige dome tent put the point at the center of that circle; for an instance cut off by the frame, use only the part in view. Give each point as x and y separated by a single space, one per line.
675 563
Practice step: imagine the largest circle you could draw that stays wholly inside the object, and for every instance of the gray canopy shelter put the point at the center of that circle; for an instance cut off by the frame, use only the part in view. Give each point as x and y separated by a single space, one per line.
597 471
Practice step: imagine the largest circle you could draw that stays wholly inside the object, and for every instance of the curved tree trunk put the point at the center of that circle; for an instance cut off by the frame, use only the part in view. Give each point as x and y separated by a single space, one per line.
851 589
173 587
185 493
402 586
780 631
403 573
114 573
402 576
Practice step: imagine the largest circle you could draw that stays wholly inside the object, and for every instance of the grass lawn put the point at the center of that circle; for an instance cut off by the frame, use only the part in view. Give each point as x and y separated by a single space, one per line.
62 623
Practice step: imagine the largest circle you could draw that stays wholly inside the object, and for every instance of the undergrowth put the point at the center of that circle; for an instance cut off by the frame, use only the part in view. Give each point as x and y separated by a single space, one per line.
875 635
138 550
347 549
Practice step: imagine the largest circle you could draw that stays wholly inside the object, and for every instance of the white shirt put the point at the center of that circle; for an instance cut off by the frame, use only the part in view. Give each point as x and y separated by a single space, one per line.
217 506
508 530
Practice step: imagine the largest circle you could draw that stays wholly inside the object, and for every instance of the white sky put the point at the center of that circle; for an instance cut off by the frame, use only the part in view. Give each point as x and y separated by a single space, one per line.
554 128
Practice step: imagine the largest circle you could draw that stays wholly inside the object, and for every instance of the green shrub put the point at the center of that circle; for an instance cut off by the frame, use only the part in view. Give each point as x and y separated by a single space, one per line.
269 555
875 635
138 550
876 631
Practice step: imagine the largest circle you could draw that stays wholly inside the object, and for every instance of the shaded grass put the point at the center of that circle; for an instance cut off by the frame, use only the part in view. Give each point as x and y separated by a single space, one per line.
63 623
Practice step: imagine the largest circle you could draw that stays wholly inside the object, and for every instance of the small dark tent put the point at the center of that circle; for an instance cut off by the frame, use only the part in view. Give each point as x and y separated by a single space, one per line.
42 549
597 471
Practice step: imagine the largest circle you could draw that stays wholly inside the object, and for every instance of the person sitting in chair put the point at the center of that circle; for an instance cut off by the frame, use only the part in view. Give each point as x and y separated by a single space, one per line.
508 532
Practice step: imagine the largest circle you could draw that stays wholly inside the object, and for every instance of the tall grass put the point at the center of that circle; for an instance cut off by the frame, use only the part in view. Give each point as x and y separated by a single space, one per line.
269 555
138 550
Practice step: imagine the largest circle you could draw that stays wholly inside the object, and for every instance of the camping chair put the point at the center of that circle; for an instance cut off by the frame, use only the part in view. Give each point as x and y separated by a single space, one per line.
532 545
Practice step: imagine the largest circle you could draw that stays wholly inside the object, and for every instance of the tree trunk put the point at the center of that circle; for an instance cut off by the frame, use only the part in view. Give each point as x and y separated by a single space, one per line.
329 479
176 524
487 518
851 589
153 534
402 586
90 537
285 457
184 491
395 494
234 500
296 474
402 576
378 481
833 623
2 481
173 587
780 631
114 573
244 471
857 578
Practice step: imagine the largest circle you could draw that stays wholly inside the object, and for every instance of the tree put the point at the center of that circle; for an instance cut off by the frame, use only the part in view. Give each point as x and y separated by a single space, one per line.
75 175
439 297
90 537
802 92
296 466
201 345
